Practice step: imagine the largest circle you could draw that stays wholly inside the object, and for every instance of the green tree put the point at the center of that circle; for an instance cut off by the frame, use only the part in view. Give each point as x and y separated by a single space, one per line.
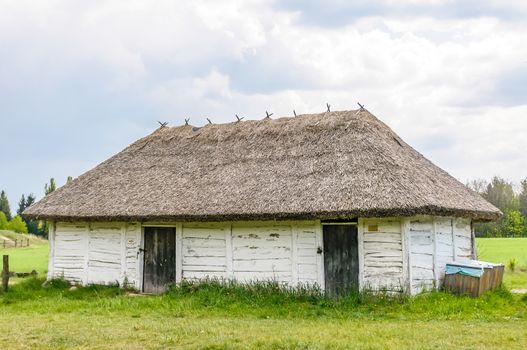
501 193
18 225
523 198
21 205
69 179
4 224
32 225
4 205
512 224
52 186
43 227
30 200
479 186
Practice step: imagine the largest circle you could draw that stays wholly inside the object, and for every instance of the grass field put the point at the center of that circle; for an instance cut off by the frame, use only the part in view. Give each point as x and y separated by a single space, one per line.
26 259
211 317
503 250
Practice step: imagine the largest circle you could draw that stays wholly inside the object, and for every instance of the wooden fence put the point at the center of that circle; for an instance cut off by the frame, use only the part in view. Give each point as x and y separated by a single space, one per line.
17 243
5 272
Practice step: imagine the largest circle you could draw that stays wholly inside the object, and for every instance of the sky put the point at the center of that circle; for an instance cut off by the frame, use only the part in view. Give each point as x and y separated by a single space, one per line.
81 80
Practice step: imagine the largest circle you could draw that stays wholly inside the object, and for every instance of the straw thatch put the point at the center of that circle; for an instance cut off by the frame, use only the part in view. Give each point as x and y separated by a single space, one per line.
334 165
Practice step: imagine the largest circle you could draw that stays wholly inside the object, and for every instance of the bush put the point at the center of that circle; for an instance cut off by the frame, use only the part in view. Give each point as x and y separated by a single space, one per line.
18 225
4 224
512 264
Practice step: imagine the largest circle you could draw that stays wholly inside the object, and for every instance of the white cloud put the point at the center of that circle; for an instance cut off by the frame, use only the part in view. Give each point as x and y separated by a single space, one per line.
431 79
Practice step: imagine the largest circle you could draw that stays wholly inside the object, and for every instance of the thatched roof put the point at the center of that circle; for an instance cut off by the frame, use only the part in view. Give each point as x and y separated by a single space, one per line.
333 165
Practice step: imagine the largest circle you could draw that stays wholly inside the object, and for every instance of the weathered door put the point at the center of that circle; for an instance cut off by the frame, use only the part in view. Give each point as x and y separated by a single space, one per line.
341 258
159 259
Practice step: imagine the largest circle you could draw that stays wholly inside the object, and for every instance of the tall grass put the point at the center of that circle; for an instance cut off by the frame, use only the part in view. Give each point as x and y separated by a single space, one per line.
215 298
35 288
270 294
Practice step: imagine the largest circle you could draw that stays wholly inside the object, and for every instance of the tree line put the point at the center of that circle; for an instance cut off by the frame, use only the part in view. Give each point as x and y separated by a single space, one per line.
19 223
511 200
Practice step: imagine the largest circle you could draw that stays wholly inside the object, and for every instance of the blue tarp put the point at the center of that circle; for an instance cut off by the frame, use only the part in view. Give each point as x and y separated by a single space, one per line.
466 270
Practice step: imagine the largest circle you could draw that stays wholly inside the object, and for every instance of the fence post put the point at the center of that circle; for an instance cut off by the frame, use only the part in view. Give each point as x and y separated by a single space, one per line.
16 243
28 242
5 273
4 243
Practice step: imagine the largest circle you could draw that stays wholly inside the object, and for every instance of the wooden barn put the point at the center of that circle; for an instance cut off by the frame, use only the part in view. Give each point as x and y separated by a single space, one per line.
335 199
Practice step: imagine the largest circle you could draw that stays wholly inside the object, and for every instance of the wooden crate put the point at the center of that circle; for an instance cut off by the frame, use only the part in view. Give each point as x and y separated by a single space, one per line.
491 278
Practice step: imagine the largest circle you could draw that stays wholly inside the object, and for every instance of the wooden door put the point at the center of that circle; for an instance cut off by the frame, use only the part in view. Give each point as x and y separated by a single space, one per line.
341 258
159 259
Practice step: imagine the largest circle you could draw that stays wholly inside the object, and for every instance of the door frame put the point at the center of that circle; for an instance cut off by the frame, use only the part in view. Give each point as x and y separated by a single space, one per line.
360 241
359 222
178 226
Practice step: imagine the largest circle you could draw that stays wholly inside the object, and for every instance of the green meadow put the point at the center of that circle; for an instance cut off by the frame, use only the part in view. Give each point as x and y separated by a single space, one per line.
260 316
505 250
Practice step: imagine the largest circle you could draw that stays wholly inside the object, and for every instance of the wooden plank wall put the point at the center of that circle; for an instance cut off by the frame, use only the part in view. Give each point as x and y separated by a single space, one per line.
262 252
69 252
131 273
308 261
382 249
204 250
433 242
104 253
245 251
109 252
408 252
421 238
462 239
444 245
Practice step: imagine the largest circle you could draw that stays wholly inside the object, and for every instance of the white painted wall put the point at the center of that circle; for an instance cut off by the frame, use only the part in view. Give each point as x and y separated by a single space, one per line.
105 253
421 243
462 239
433 242
444 245
131 271
250 251
262 252
69 252
397 255
382 254
95 253
306 240
204 250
